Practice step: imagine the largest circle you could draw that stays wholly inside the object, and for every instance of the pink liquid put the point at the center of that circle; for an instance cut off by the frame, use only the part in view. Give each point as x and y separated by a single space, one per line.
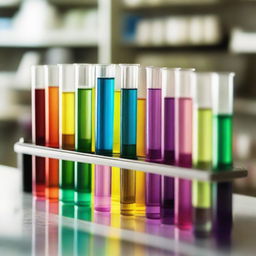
183 158
102 193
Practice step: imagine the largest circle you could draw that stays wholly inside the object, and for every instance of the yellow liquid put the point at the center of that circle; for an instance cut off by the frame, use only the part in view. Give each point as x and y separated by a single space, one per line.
115 185
202 190
92 193
115 190
93 119
141 128
116 142
68 113
141 152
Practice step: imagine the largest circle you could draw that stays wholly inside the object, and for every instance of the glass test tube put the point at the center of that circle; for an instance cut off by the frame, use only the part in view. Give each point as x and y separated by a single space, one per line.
222 155
141 141
52 129
183 147
67 129
115 184
38 128
84 80
104 134
129 85
154 137
202 154
170 80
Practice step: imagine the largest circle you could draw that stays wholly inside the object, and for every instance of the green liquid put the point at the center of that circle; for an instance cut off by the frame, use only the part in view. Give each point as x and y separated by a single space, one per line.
201 192
83 171
223 144
67 181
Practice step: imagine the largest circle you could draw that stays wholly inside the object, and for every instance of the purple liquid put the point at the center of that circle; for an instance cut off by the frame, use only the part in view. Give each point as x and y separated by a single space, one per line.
153 181
102 193
167 207
183 158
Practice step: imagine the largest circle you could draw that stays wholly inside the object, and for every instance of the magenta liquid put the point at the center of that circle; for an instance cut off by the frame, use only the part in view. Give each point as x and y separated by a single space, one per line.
167 205
102 193
183 158
153 181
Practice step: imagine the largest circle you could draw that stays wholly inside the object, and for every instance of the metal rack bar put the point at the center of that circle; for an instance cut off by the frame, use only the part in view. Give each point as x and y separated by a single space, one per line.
149 167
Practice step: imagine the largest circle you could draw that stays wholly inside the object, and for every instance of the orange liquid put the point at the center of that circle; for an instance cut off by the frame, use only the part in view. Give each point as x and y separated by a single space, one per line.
52 140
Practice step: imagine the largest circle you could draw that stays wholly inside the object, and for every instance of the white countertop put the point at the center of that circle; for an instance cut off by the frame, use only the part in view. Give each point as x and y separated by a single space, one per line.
31 227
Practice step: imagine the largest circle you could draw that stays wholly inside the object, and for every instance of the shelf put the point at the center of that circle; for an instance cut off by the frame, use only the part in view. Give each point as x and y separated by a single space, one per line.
58 38
149 167
74 3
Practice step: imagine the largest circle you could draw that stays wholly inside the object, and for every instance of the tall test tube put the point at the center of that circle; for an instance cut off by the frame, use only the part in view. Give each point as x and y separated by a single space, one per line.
222 155
129 85
104 134
52 129
183 147
141 141
202 154
170 81
67 129
38 128
84 80
115 184
154 137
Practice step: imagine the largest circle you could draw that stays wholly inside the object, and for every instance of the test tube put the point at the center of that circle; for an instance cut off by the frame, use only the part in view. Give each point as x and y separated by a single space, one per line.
104 134
222 154
115 184
154 137
52 129
202 155
170 81
141 141
67 129
183 147
84 80
129 85
38 128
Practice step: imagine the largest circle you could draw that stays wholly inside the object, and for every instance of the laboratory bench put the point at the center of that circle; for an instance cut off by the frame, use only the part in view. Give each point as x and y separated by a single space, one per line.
29 226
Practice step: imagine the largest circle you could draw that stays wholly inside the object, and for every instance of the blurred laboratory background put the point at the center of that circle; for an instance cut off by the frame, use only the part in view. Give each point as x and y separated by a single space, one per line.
206 34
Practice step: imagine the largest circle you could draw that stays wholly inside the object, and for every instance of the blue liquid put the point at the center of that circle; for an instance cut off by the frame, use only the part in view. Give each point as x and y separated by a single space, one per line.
128 122
105 115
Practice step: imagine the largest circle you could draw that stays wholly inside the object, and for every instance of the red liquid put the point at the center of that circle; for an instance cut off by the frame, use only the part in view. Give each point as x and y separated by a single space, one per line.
38 173
52 140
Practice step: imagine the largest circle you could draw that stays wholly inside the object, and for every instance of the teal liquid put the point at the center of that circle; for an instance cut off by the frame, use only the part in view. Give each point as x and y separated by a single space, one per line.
83 171
105 116
67 181
128 149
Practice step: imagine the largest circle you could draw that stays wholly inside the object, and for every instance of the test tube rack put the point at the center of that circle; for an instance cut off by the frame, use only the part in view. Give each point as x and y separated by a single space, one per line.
141 165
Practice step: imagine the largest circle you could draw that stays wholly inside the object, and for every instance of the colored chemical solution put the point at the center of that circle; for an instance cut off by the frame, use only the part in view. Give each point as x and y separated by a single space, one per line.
183 198
68 142
83 144
153 181
105 116
222 192
141 152
115 189
93 120
38 163
128 148
104 142
52 140
201 191
117 103
167 206
102 193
